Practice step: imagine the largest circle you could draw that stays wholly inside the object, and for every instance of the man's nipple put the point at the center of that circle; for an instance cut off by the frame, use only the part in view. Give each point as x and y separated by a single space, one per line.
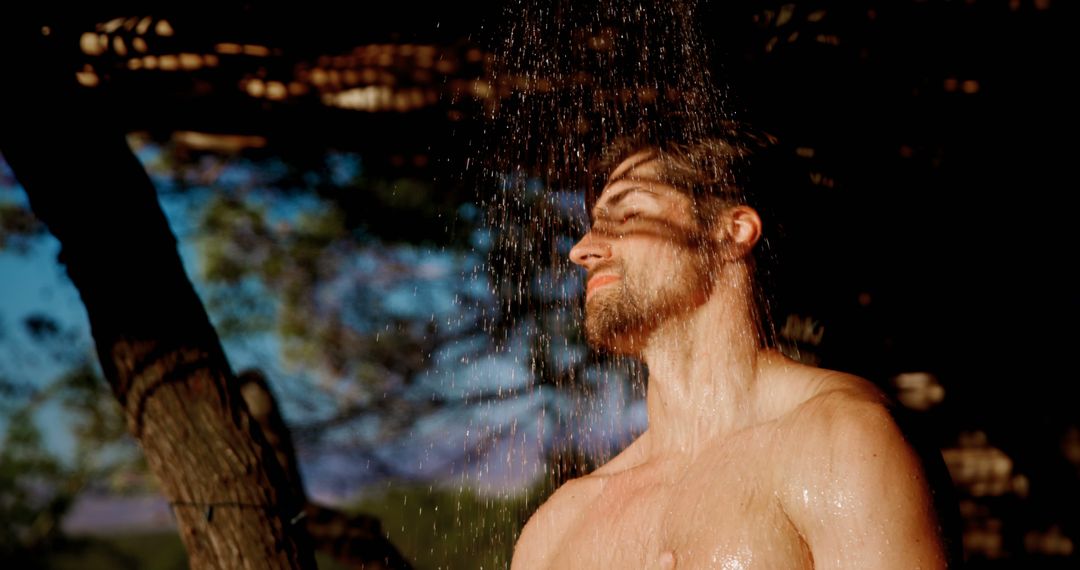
667 560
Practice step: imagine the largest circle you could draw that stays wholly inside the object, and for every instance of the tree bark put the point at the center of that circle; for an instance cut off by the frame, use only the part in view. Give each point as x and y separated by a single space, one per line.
233 502
353 540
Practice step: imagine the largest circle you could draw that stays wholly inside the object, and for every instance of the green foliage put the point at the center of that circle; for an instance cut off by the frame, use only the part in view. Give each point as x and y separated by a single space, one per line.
408 210
35 490
151 551
104 448
18 227
440 528
373 287
328 261
142 551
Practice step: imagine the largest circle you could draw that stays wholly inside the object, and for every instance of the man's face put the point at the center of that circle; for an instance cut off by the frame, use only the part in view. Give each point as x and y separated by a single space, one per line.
646 255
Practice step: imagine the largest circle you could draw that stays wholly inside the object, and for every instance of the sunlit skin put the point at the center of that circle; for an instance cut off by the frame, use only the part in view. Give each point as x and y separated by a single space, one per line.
750 460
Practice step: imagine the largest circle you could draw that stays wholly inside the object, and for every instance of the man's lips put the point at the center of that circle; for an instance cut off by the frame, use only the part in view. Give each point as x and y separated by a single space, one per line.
598 282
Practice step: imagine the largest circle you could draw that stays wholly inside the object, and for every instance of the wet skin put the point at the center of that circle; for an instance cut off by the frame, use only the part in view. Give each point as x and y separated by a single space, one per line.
751 460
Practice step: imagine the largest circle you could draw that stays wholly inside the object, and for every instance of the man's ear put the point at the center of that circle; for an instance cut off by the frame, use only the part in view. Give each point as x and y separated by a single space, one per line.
741 230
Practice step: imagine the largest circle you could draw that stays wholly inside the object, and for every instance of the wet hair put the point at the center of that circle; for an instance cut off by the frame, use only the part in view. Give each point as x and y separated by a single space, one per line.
714 169
734 165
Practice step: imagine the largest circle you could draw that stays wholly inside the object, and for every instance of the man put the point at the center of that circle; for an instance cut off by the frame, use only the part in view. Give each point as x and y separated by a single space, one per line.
750 460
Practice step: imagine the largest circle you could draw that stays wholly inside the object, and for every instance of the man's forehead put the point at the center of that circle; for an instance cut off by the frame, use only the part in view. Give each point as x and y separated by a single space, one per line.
646 167
643 173
643 166
642 163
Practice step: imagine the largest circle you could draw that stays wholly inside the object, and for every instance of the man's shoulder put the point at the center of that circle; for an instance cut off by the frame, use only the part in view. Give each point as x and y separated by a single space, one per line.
793 390
551 521
843 441
842 411
849 470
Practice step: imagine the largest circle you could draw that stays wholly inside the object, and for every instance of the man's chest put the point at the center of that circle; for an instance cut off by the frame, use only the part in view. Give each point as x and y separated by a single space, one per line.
699 518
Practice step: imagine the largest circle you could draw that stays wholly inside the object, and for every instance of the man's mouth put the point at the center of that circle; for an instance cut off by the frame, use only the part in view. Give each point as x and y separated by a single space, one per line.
597 282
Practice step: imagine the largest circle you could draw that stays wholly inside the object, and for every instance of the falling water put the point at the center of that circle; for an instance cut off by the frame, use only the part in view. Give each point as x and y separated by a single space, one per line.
571 78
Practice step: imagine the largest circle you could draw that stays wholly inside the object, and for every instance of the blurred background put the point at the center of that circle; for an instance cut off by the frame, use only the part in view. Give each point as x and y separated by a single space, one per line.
412 313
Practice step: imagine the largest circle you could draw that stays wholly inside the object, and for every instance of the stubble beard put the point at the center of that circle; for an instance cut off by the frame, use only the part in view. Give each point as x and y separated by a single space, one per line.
621 317
613 317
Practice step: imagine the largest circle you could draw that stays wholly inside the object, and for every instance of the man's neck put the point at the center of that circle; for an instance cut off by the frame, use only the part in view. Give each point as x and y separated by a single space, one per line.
703 377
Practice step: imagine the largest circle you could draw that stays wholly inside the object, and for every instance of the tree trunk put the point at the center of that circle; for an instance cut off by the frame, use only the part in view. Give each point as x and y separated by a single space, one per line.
233 502
356 541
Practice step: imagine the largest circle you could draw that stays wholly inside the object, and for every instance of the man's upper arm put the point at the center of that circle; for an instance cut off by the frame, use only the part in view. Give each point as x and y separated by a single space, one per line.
859 494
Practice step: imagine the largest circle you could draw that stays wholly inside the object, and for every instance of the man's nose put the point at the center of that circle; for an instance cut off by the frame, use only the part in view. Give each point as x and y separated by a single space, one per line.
590 250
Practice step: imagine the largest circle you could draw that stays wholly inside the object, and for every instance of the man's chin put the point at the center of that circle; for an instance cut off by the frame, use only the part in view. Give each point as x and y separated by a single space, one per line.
614 323
624 341
616 348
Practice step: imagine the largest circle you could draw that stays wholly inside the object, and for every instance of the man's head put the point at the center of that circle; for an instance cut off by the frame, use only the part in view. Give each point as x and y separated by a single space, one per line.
670 225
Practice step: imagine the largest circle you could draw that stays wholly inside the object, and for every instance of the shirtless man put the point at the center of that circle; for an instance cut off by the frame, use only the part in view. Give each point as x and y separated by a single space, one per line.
750 460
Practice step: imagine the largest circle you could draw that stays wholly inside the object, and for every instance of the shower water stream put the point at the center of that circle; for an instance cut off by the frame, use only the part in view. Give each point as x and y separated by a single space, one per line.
575 77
